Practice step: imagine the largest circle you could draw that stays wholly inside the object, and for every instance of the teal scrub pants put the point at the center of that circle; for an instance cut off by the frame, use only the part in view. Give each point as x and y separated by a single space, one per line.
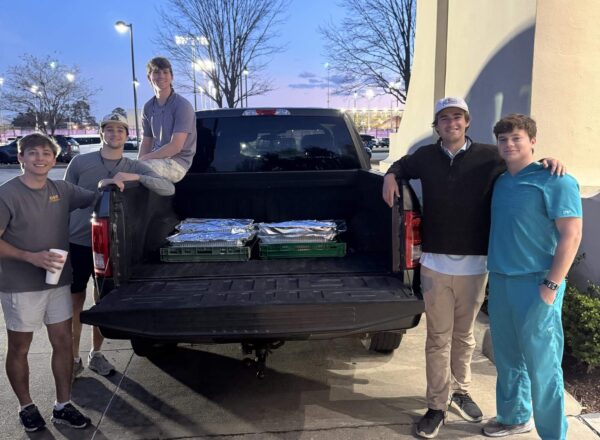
527 336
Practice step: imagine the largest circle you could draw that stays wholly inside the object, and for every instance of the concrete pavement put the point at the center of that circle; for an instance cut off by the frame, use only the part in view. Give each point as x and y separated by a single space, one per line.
313 390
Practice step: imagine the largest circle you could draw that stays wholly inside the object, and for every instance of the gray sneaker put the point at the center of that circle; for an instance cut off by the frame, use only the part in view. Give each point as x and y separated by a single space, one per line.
466 407
495 429
77 368
98 363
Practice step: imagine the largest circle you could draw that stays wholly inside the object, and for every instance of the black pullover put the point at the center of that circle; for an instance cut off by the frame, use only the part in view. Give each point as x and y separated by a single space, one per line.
457 195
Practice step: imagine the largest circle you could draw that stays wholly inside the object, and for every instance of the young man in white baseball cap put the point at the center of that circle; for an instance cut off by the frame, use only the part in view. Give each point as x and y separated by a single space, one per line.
109 166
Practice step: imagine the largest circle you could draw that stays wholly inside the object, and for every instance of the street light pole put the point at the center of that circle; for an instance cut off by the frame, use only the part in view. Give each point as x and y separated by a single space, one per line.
1 123
245 72
70 77
327 67
369 94
123 27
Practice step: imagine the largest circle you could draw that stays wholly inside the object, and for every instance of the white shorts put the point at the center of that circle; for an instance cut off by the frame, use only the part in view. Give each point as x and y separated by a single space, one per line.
167 168
28 311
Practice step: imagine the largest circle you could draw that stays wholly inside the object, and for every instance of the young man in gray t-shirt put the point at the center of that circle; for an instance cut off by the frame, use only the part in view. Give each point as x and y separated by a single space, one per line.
86 170
169 124
34 216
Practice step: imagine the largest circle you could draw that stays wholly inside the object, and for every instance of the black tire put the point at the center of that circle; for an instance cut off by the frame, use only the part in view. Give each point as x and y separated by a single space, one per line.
4 158
382 342
143 347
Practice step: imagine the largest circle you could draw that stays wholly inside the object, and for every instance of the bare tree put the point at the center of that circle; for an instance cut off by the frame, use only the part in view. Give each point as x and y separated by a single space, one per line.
44 88
226 38
373 46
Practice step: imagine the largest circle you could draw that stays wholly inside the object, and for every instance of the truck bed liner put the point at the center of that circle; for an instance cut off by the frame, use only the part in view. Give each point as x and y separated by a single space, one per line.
352 263
257 307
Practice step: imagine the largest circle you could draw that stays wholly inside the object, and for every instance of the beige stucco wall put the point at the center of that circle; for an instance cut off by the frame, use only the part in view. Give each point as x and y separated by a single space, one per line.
472 61
566 85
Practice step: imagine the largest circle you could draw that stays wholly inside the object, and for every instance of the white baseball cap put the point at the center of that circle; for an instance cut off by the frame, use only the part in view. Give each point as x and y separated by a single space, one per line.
451 101
114 117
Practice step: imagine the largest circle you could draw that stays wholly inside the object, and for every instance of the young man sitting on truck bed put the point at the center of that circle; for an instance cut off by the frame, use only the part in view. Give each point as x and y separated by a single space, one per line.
87 170
34 218
457 176
169 124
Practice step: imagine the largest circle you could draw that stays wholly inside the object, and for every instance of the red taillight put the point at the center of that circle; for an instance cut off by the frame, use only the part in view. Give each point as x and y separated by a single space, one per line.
266 112
412 239
100 247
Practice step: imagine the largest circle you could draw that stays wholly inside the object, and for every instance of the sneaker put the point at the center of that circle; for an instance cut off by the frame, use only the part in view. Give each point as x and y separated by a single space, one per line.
495 429
31 419
77 368
465 406
70 416
98 363
430 423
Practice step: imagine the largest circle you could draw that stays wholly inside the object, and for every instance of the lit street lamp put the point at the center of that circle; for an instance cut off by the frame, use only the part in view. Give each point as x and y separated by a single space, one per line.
204 66
203 41
123 27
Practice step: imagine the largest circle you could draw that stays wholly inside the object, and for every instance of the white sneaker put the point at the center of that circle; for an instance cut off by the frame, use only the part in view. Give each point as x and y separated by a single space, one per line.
495 429
98 363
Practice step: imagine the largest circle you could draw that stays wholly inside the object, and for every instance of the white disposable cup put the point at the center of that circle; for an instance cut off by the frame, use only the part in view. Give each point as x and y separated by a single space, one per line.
53 277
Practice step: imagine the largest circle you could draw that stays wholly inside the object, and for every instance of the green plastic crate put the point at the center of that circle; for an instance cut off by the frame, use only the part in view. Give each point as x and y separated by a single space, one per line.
301 250
196 254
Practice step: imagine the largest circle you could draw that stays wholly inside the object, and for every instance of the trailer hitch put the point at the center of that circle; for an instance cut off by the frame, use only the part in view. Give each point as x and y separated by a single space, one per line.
261 350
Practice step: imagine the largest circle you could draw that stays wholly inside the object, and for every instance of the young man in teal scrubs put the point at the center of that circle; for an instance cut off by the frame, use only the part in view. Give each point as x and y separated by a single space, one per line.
535 233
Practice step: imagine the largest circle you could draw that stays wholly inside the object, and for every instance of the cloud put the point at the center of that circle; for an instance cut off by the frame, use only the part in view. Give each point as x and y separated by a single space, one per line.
318 82
306 86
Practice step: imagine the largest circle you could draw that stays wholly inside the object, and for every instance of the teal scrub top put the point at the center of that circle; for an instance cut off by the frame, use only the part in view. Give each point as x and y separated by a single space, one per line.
523 234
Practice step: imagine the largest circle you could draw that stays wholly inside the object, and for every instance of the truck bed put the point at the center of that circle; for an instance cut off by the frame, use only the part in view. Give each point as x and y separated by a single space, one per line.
258 299
351 263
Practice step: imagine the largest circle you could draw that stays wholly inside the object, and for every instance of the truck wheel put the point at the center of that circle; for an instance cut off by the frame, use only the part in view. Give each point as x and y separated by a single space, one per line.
149 348
383 342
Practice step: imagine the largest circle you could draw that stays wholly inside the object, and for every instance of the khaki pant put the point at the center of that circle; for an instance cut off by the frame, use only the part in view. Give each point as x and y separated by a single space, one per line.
451 305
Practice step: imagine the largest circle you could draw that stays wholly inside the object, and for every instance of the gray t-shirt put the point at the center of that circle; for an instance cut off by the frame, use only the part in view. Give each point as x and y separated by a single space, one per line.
175 116
37 220
86 170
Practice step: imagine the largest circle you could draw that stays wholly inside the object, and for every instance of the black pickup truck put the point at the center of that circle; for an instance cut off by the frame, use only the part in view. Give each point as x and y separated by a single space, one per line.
269 165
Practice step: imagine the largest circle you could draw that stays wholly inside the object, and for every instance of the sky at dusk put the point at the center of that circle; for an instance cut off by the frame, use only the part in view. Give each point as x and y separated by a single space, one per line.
82 33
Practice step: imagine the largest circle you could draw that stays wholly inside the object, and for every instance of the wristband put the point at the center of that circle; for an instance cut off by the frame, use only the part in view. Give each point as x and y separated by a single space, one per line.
550 284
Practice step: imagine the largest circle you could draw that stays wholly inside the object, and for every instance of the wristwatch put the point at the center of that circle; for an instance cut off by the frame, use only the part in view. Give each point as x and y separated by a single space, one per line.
550 284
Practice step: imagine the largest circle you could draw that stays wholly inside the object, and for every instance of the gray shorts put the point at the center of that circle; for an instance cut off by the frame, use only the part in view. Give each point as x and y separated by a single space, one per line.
29 311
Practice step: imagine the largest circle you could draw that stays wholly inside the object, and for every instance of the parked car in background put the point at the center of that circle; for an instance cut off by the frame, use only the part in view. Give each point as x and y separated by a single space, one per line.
368 140
131 144
8 153
88 142
383 143
69 148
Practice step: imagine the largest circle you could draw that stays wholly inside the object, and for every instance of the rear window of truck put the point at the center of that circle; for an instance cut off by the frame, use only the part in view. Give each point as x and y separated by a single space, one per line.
274 143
